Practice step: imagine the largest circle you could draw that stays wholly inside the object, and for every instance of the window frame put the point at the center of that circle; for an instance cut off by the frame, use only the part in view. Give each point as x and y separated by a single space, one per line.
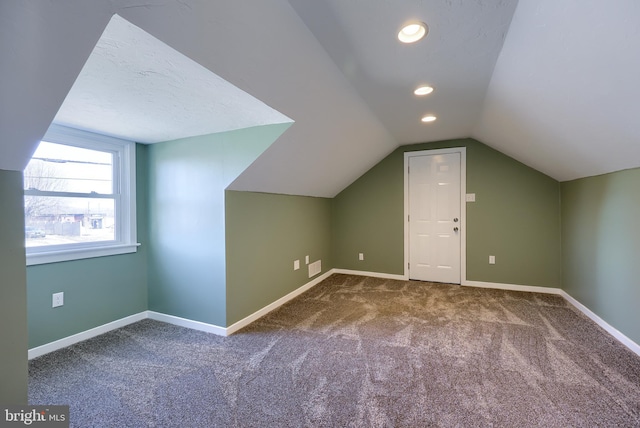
124 197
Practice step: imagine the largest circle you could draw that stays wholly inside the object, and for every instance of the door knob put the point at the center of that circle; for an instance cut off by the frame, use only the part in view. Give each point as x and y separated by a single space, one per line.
455 229
455 220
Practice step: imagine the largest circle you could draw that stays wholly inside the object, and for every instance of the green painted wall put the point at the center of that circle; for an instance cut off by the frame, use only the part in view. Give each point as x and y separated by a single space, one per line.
96 291
13 304
187 179
516 217
218 256
601 247
265 234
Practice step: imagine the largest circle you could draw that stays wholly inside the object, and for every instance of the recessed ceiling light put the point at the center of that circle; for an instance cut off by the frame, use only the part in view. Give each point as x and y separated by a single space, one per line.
429 118
412 32
423 90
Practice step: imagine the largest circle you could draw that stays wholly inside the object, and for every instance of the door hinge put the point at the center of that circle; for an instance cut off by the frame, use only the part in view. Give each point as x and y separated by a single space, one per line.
408 218
408 266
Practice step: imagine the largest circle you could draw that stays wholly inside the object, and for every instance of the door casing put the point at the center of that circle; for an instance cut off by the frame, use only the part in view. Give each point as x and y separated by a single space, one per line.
463 205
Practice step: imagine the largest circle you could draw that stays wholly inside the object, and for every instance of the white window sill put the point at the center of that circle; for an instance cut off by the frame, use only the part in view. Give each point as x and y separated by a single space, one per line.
79 254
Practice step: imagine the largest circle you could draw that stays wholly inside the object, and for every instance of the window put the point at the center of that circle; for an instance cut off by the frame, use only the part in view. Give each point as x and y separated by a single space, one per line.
79 197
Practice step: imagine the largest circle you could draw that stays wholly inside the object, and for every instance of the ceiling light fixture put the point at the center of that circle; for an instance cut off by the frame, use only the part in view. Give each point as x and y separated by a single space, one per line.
429 118
412 32
423 90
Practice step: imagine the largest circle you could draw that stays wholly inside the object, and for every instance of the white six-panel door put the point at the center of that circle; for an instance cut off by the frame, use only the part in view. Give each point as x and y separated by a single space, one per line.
434 217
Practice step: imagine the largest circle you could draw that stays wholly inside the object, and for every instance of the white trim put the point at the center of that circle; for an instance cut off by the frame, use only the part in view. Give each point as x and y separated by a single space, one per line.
513 287
633 346
88 334
184 322
61 134
372 274
105 328
222 331
226 331
171 319
80 253
123 196
281 301
626 341
463 205
128 186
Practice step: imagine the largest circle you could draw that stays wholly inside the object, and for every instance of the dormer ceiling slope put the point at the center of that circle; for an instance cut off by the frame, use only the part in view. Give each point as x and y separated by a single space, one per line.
552 84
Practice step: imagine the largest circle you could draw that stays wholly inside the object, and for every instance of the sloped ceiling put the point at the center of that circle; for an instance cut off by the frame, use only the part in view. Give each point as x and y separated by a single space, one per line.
456 58
263 48
564 97
135 87
553 87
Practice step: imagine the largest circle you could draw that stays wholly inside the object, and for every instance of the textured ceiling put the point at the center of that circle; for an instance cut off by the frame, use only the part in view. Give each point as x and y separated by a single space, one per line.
133 86
552 84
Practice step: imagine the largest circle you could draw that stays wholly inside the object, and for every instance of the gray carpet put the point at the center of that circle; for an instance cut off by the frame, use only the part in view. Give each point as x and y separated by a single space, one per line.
357 352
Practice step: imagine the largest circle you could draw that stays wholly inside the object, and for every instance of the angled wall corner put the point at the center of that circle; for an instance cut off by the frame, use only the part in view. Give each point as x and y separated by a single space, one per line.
187 179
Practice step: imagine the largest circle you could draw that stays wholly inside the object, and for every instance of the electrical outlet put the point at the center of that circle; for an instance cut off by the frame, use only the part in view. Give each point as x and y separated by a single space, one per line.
296 264
306 260
360 256
57 300
492 260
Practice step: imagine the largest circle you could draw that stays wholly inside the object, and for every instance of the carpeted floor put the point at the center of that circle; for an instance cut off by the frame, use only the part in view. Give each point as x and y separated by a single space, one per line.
357 352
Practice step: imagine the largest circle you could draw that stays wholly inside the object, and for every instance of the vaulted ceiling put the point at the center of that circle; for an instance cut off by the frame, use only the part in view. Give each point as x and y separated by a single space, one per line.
552 84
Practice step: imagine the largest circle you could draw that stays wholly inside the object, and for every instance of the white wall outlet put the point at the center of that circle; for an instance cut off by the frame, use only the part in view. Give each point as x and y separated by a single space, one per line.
492 260
296 264
306 260
470 197
360 256
57 300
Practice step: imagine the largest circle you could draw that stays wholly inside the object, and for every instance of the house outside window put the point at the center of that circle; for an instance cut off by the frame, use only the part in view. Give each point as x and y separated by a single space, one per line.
79 197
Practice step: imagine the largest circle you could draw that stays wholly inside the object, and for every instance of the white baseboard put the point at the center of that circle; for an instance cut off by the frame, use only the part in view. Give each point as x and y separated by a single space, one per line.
222 331
88 334
371 274
281 301
633 346
226 331
513 287
171 319
185 322
582 308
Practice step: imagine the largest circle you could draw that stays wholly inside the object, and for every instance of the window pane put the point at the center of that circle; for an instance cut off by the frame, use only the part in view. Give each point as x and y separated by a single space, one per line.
56 221
61 168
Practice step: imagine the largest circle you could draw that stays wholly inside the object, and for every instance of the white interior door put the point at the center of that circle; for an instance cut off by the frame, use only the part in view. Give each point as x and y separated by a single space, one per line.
434 217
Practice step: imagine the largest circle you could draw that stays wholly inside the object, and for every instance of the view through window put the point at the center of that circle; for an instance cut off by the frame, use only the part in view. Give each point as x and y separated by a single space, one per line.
69 196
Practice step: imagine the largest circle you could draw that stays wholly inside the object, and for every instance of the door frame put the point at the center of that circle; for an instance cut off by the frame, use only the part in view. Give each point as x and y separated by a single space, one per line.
463 205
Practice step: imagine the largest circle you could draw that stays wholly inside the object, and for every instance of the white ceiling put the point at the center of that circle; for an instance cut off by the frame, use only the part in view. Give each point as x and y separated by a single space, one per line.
564 97
456 58
135 87
554 87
